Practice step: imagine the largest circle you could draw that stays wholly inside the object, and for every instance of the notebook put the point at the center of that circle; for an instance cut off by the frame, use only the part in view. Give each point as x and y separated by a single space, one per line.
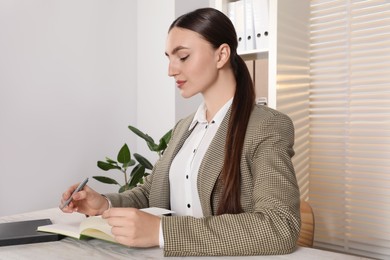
25 232
93 227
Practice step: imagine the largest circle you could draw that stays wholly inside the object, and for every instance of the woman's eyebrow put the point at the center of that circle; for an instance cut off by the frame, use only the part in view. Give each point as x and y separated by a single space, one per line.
178 48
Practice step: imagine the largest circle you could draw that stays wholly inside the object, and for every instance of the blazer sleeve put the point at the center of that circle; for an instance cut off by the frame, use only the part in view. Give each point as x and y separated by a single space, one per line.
134 198
271 226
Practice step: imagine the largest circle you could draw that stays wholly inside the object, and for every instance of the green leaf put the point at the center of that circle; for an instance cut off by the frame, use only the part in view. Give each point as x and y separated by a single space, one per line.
164 142
167 137
105 180
129 164
146 137
123 188
152 147
107 166
162 145
124 155
143 161
111 161
135 169
137 176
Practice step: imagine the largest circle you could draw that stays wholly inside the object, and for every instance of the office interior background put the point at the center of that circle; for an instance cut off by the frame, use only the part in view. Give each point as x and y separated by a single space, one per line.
75 74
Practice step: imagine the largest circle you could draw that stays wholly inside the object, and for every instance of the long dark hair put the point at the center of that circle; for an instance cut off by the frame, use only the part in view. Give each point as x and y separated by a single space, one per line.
216 28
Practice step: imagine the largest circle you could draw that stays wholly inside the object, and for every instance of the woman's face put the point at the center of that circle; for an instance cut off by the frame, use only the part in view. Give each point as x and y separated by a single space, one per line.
192 62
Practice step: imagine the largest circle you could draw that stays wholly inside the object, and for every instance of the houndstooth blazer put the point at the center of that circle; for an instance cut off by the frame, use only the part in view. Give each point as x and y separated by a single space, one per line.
270 223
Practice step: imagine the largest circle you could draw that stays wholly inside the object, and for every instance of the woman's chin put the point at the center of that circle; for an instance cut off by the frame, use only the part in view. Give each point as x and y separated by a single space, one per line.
186 94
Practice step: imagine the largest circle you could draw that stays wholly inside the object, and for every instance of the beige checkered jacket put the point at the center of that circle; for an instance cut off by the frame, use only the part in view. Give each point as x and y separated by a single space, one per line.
269 193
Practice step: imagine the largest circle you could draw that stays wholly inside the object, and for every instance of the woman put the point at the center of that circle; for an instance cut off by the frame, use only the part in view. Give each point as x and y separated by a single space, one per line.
227 172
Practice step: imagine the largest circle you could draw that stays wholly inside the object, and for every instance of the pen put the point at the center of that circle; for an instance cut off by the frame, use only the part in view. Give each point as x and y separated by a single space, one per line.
79 188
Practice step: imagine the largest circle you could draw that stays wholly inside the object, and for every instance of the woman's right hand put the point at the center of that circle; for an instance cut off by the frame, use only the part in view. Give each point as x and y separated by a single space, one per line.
87 201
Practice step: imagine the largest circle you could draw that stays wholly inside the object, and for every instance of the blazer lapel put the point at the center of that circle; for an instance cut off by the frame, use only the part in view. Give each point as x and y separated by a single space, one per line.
158 199
211 166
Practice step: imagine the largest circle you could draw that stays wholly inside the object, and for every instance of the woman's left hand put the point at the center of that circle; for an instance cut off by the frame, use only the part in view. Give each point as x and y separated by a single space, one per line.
133 227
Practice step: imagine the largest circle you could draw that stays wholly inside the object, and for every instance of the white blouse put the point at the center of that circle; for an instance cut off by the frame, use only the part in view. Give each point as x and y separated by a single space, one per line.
183 173
184 169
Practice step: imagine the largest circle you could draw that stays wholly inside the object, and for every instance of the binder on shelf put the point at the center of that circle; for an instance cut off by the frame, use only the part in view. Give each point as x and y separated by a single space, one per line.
249 26
261 23
236 13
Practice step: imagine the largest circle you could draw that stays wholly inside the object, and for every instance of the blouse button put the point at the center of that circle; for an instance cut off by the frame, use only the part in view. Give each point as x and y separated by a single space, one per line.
188 206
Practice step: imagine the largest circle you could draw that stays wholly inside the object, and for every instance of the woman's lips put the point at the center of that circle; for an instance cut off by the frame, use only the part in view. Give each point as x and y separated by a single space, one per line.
180 83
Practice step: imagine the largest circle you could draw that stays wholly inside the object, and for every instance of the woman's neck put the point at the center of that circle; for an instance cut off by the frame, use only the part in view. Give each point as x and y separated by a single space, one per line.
215 101
221 92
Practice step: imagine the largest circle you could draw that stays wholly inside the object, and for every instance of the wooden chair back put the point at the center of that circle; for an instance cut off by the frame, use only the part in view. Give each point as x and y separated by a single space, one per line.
306 236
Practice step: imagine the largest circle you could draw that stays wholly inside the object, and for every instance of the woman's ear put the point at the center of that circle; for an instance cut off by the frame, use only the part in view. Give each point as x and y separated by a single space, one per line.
223 53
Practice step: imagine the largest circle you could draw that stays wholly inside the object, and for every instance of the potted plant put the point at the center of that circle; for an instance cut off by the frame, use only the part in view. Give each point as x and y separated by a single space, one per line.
125 161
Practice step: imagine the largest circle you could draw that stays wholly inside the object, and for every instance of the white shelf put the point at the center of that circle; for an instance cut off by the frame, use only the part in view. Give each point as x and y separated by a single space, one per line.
253 54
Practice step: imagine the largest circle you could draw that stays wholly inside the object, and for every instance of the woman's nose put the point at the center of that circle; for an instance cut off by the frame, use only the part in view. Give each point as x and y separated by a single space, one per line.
172 70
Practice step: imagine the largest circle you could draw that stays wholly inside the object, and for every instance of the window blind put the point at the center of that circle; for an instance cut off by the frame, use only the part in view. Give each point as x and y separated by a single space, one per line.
292 80
350 125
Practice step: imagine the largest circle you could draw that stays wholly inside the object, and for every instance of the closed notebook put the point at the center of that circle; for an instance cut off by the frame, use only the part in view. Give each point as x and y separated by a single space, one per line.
25 232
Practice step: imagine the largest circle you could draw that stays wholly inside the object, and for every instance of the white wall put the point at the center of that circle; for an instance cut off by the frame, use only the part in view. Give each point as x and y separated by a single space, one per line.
67 95
155 96
73 75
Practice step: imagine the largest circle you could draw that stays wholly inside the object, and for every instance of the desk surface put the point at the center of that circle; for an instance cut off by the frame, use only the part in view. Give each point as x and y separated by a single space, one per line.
69 248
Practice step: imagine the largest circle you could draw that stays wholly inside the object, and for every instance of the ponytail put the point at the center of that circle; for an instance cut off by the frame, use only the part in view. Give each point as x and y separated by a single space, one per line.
243 102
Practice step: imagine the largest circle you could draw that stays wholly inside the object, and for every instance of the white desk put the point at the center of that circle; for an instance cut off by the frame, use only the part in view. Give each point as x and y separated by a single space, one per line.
69 248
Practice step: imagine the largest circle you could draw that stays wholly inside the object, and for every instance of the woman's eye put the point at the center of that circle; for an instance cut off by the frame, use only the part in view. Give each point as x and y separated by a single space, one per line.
184 58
